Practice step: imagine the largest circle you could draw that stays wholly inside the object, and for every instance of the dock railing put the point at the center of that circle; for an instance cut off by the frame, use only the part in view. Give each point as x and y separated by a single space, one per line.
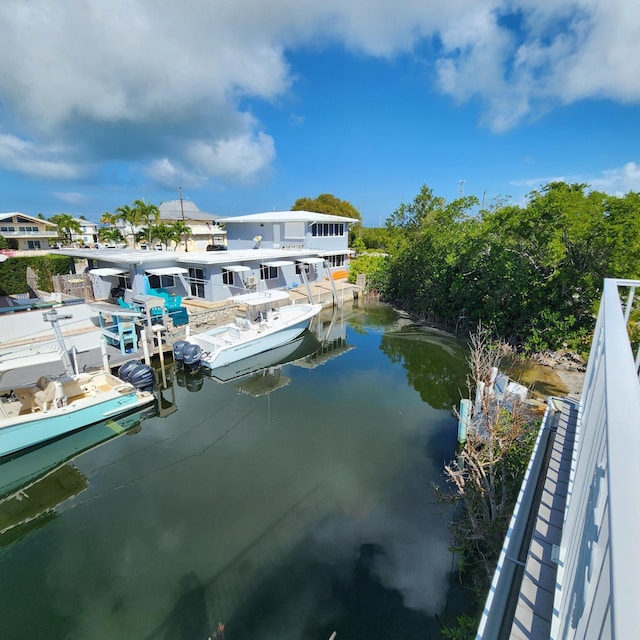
597 592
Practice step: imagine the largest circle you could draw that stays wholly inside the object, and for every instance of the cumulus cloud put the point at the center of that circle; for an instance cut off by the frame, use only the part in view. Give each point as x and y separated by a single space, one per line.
617 181
34 160
183 79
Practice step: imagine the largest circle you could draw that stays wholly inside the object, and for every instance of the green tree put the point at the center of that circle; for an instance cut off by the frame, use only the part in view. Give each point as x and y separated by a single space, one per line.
67 226
180 231
148 213
131 216
112 235
108 218
329 204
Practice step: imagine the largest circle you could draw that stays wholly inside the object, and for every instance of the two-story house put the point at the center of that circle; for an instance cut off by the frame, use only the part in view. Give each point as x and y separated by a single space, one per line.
88 235
292 231
24 232
205 232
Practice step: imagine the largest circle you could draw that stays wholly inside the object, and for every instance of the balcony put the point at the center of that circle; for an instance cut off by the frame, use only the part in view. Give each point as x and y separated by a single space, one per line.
30 234
570 564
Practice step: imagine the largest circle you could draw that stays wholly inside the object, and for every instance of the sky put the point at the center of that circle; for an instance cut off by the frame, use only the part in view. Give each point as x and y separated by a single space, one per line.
244 106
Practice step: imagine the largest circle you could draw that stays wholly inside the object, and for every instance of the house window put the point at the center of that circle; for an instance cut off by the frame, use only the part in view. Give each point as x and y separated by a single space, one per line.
268 273
328 229
124 282
302 266
227 277
12 229
161 282
33 244
335 261
196 277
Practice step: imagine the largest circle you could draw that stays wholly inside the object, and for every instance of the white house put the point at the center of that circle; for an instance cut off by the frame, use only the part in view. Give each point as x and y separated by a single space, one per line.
27 232
88 232
293 231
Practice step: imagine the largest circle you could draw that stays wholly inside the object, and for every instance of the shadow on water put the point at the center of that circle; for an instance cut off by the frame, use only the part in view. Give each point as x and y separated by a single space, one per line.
188 618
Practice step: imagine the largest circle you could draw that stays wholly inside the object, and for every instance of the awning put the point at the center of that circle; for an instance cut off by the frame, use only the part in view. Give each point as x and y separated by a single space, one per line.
311 260
166 271
261 297
108 271
277 263
114 310
237 268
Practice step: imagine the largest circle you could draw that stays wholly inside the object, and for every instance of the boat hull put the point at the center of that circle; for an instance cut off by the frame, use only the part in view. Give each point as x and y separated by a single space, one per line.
38 428
256 343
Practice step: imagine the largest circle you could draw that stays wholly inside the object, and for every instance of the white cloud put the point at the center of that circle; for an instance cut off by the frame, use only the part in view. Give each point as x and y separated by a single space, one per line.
617 181
151 81
169 174
70 197
239 157
43 161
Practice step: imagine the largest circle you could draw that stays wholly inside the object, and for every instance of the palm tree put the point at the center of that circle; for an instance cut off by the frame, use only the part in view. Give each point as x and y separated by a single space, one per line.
112 235
180 229
165 233
109 218
147 212
132 217
67 226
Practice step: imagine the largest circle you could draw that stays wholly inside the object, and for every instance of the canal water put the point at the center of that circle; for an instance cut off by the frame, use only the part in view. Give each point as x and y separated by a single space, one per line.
286 503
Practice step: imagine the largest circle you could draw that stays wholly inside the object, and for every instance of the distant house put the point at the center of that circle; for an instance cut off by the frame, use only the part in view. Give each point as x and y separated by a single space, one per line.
205 232
292 231
88 235
26 232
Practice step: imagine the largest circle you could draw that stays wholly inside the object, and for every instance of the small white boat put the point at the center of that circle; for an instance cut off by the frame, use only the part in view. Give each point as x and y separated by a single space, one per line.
56 405
265 326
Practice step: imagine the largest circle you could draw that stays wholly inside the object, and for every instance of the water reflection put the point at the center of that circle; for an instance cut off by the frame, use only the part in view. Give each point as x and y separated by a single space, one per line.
35 481
434 362
284 516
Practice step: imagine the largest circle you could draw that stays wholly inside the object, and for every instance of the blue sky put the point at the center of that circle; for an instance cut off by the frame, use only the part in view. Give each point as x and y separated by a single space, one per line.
249 105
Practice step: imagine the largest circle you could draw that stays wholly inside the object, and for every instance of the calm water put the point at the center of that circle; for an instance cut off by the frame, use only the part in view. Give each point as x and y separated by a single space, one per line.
287 504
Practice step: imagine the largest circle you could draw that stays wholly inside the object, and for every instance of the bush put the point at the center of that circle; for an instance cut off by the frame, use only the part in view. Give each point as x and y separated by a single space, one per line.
13 272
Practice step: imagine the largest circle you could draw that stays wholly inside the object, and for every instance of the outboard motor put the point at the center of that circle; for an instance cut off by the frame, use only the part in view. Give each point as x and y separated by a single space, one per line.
125 370
191 354
194 380
178 348
142 377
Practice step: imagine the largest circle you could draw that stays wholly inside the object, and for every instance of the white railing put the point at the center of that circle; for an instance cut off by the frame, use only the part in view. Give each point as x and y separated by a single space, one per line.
30 234
597 592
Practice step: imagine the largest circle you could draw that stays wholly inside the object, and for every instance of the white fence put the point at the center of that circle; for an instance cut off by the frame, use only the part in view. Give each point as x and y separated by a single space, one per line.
597 590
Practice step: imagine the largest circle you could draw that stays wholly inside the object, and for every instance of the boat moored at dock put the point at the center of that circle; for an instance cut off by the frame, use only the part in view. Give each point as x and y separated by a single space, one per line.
265 326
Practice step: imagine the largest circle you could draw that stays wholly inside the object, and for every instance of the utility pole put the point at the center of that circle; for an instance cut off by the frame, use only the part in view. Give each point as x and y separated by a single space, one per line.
186 248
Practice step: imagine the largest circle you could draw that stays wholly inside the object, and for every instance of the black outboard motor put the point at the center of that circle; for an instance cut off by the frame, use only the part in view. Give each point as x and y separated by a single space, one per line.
194 380
142 377
178 348
191 354
126 369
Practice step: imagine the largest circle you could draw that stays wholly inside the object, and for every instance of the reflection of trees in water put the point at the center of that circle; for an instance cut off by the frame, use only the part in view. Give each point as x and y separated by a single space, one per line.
436 366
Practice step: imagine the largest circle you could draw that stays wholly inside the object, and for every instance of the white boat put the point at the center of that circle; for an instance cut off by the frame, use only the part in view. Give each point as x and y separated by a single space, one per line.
31 414
301 346
265 326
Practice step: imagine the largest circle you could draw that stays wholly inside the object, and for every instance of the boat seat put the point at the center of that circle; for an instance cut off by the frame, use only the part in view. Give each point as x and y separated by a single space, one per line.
51 396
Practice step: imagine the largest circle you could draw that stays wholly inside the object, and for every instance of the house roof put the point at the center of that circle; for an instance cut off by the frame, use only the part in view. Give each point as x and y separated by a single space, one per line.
173 210
6 216
127 256
287 216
